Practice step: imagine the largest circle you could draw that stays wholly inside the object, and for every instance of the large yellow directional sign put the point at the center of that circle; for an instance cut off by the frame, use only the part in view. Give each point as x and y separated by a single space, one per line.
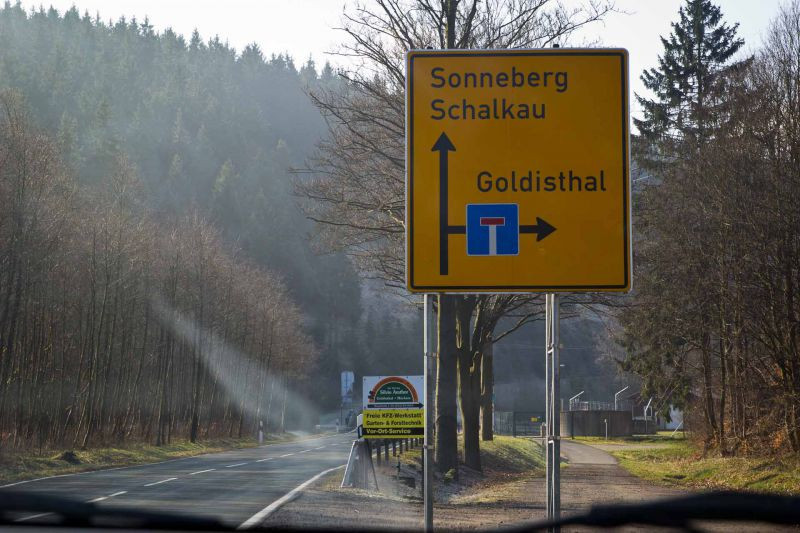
517 171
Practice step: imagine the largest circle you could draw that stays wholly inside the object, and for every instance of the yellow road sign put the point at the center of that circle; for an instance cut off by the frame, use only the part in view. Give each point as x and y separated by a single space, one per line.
517 171
386 423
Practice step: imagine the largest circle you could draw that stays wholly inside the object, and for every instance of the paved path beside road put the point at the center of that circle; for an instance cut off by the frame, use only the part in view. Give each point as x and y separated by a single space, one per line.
593 477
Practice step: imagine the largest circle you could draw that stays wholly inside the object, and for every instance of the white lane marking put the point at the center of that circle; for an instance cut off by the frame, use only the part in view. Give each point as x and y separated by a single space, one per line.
202 471
287 455
31 517
304 451
237 464
319 448
145 465
264 513
160 482
101 498
267 459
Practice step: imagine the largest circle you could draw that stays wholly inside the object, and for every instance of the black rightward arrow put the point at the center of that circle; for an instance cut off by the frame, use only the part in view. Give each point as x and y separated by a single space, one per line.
443 146
542 229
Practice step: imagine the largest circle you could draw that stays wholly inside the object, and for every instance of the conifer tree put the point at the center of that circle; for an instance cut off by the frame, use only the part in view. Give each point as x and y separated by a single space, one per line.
678 346
696 51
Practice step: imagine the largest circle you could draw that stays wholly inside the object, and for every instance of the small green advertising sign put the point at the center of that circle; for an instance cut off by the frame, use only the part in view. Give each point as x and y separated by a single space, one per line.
393 392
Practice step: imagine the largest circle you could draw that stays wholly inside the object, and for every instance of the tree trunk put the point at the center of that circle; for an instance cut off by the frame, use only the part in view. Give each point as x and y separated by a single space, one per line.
469 374
711 418
446 445
283 408
487 392
469 396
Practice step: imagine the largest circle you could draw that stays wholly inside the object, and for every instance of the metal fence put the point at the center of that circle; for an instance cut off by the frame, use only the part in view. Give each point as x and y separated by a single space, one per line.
590 406
518 423
576 405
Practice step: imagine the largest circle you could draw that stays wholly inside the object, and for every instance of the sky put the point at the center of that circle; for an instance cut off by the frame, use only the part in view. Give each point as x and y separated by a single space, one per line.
307 28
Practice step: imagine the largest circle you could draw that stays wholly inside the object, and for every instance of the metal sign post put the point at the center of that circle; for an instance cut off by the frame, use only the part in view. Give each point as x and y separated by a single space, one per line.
553 408
427 448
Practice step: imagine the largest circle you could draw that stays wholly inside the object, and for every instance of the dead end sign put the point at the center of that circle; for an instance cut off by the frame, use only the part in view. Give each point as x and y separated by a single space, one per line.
517 171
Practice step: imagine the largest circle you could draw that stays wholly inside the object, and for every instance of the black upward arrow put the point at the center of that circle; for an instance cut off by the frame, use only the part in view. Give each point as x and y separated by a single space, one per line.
542 229
443 145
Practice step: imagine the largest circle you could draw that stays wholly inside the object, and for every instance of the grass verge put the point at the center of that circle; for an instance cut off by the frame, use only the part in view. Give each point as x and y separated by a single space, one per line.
512 455
681 464
662 437
19 466
506 463
509 455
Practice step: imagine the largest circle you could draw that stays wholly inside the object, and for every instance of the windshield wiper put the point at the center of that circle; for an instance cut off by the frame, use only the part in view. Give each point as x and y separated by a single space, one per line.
683 511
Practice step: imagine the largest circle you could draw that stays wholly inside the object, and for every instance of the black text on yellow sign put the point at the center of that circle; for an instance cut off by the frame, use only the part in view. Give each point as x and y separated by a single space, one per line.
388 423
517 171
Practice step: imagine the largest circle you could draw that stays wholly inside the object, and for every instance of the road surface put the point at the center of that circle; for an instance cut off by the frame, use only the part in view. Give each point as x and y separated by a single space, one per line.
233 486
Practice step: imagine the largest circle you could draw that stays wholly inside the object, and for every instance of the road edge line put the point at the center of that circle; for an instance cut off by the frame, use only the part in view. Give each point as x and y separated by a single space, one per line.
264 513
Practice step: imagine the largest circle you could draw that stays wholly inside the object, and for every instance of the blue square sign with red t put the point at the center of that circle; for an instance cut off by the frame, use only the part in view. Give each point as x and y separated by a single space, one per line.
492 229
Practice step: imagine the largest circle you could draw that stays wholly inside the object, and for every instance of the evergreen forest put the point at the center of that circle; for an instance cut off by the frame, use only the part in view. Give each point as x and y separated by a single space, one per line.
156 275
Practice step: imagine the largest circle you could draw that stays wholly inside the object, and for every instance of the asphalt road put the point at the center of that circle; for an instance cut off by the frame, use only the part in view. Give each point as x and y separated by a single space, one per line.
231 486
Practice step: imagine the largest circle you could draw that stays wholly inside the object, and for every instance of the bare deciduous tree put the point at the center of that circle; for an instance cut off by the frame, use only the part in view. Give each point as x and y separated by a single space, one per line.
115 326
357 189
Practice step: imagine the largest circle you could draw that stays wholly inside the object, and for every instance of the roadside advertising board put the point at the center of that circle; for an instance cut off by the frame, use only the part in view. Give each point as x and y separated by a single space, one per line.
394 423
393 407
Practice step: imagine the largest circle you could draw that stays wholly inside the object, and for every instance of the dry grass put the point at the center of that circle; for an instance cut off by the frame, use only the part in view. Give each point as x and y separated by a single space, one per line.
508 455
512 456
662 437
683 465
506 462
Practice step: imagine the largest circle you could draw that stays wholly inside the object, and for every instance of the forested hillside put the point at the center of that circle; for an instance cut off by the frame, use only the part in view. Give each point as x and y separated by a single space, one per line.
202 126
153 261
